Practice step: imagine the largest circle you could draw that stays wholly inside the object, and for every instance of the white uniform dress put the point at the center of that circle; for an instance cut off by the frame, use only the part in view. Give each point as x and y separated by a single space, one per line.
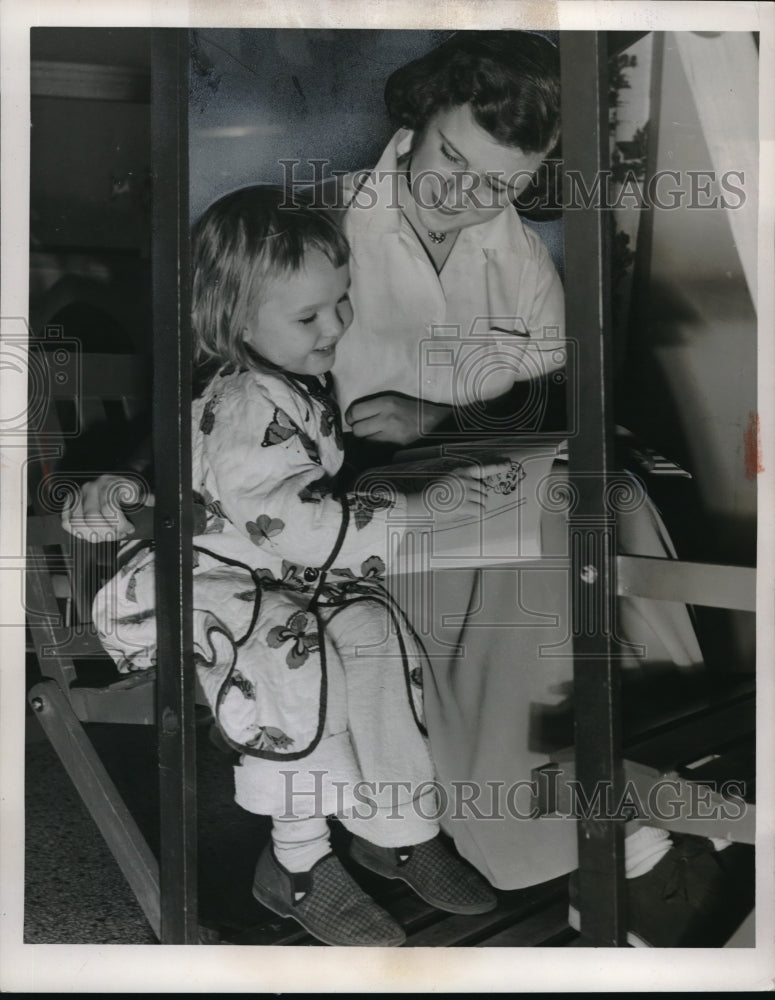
498 689
495 313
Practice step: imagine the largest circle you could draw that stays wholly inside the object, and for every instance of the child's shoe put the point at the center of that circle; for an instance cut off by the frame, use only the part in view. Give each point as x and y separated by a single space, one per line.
326 901
433 871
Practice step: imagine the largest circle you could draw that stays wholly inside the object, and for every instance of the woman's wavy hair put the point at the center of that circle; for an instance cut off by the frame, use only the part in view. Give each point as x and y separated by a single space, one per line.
241 241
511 79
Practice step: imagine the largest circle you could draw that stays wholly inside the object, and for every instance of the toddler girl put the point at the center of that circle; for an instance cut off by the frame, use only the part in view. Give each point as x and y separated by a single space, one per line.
312 673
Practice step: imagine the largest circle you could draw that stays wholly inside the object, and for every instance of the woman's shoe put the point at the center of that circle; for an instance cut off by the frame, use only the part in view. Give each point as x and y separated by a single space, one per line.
326 901
694 897
433 871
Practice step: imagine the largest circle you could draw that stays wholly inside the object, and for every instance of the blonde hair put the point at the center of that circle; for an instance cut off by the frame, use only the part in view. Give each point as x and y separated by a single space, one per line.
239 242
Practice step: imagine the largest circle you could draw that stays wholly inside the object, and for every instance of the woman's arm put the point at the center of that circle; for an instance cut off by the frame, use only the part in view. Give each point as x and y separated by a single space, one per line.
394 418
95 514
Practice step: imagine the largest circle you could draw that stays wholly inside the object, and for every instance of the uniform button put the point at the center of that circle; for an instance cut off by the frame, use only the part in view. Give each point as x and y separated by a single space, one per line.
310 575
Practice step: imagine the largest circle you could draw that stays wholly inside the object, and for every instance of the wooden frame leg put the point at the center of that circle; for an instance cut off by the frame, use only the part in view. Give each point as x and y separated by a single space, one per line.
100 796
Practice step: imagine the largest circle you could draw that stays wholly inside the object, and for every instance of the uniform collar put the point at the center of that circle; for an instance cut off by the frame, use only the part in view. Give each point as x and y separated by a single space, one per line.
376 210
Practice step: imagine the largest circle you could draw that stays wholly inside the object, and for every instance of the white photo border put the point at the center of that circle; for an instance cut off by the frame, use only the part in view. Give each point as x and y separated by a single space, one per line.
226 969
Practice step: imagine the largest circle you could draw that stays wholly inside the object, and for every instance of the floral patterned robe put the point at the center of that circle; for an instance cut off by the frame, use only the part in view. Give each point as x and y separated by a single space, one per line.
274 542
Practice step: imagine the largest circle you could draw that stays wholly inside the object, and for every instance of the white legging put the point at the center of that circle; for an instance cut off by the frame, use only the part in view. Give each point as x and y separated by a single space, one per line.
371 768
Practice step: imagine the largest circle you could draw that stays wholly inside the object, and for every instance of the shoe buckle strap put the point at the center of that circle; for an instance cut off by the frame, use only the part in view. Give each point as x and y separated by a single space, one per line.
301 883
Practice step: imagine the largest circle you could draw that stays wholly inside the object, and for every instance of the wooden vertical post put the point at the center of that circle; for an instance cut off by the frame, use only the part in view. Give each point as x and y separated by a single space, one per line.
172 377
592 523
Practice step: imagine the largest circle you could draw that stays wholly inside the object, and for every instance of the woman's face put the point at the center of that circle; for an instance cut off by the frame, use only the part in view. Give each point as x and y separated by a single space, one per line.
460 176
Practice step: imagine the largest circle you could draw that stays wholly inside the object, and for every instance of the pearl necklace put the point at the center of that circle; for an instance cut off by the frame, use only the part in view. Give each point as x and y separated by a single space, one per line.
436 237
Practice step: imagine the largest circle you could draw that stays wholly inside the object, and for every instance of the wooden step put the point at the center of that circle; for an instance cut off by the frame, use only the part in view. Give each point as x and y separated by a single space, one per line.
513 908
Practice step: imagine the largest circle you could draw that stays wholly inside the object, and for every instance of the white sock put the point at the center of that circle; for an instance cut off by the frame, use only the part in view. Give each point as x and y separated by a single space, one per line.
299 843
645 848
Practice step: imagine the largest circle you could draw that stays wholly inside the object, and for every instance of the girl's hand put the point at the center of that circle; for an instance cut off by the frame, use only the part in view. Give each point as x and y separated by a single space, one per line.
394 418
460 495
96 514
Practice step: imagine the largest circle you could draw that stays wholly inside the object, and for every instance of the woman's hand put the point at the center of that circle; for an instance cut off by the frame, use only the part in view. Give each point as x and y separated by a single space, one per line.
96 515
460 495
394 418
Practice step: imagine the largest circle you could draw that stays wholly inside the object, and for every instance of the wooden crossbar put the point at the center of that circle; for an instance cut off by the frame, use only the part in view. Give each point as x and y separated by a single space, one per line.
706 584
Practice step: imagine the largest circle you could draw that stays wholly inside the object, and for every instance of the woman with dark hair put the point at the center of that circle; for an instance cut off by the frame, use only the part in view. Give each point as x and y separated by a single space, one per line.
437 243
459 328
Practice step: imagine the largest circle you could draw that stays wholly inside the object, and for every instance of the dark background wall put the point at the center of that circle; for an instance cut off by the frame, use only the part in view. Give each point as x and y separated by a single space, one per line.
258 97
